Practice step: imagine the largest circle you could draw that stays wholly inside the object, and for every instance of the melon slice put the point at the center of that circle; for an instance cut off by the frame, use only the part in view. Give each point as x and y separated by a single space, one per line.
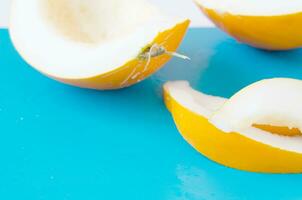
275 26
257 129
94 43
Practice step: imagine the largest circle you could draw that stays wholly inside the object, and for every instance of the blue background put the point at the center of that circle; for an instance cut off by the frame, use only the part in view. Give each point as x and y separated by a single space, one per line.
61 142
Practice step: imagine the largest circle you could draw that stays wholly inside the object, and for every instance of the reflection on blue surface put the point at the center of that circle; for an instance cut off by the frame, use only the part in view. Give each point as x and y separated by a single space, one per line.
60 142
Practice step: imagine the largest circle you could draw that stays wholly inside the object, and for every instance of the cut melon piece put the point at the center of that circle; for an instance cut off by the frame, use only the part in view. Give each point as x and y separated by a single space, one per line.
258 129
275 26
94 43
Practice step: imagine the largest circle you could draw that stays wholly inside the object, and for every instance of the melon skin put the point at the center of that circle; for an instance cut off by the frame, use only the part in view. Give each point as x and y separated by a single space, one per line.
280 32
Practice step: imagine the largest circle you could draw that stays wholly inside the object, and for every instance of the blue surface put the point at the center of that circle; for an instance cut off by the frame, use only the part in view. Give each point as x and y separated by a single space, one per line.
59 142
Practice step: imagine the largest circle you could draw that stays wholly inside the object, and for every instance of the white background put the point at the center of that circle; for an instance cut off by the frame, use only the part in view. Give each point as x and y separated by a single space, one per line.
184 8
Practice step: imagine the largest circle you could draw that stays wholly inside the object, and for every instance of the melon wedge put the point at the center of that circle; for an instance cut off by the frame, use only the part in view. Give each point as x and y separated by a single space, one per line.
257 129
95 43
277 25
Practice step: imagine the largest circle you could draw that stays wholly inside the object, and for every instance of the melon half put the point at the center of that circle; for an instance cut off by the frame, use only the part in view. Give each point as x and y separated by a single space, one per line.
94 43
269 24
257 129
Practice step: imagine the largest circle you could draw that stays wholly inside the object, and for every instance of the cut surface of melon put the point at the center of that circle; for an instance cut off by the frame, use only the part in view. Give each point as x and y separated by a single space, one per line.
208 124
253 7
85 42
273 27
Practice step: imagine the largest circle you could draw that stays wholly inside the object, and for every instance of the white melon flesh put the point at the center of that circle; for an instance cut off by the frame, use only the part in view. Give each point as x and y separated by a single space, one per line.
196 101
275 102
272 102
74 39
253 7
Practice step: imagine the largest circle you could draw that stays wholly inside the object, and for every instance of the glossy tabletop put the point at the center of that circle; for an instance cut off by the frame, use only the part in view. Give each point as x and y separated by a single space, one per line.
58 142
